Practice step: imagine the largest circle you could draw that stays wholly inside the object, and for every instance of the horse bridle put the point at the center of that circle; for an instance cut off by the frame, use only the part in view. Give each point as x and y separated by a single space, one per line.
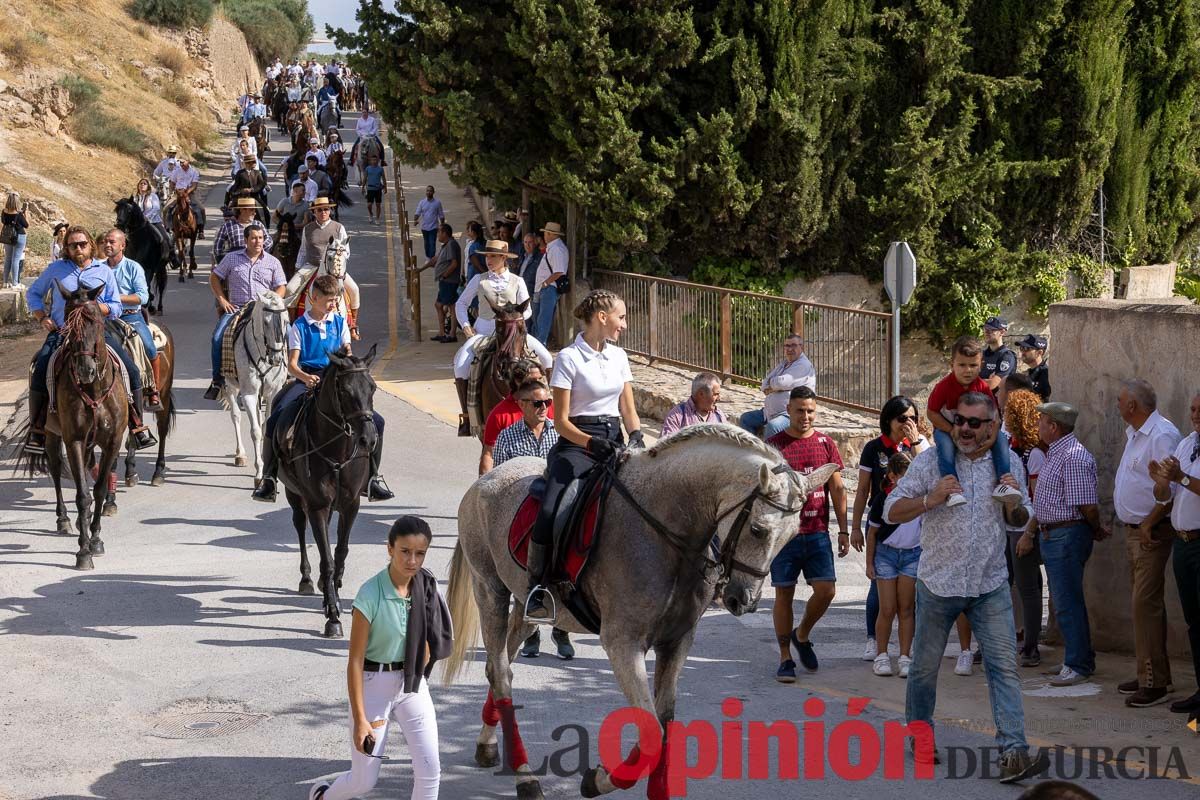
343 423
727 561
273 350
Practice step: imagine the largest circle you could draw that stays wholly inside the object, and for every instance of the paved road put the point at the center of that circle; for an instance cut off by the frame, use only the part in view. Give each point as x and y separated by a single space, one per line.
193 610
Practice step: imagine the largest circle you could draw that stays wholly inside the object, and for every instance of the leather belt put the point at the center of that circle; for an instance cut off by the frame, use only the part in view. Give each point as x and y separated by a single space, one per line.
1067 523
594 420
1188 536
375 666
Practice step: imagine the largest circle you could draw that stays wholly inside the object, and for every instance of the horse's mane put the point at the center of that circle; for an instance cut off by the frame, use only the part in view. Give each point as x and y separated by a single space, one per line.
726 433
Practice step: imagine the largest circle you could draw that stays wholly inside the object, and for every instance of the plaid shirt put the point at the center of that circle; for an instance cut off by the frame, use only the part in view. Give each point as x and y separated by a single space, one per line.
232 236
518 440
1066 481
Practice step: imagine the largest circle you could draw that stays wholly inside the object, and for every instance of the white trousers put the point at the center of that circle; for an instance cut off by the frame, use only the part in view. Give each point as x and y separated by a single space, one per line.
384 699
466 353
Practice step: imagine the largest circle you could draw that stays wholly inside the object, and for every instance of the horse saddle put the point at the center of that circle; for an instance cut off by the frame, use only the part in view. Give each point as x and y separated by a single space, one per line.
235 328
576 525
134 346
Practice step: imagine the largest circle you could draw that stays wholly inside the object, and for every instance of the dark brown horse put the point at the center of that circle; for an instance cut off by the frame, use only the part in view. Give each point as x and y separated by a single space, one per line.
93 411
508 347
185 228
258 132
288 240
165 417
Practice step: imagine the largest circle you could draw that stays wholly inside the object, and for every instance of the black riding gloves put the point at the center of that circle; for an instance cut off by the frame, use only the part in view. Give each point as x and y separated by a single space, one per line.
637 441
601 449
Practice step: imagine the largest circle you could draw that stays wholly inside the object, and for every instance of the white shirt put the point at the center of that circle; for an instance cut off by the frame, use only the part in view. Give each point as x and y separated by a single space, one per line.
785 377
273 72
1133 491
185 178
487 327
557 259
319 154
295 69
366 127
595 379
236 150
293 336
166 167
151 207
1185 513
310 190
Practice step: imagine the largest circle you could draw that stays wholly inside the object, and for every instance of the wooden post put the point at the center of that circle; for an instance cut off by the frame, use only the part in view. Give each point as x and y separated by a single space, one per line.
798 320
563 321
653 319
726 334
415 297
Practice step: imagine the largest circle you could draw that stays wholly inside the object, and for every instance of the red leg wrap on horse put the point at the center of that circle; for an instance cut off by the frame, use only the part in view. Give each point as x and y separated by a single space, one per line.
626 774
490 715
657 789
112 483
512 737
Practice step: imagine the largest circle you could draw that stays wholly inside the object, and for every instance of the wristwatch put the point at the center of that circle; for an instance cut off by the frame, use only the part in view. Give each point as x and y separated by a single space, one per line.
1185 481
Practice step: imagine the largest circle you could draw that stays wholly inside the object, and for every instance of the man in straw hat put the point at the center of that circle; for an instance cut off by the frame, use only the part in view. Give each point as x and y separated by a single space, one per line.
167 165
553 268
186 179
317 238
231 236
495 288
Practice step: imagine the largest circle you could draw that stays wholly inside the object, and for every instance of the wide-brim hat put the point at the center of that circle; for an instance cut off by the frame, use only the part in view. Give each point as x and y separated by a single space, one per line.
172 149
245 202
322 202
510 216
553 227
496 247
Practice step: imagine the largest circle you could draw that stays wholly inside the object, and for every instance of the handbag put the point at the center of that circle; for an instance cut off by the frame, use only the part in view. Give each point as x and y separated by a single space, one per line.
8 234
563 285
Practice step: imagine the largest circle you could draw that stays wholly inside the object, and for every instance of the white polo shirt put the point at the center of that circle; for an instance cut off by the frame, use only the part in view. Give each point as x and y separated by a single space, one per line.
1133 491
595 379
1185 513
185 178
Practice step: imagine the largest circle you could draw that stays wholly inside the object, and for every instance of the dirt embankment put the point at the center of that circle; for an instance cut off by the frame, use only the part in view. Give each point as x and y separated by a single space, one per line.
91 98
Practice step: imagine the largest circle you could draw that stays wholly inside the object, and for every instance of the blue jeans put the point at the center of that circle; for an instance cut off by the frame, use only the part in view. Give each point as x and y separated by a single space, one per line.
547 300
946 453
218 334
1064 552
41 361
756 421
136 322
992 621
872 612
13 255
430 238
808 554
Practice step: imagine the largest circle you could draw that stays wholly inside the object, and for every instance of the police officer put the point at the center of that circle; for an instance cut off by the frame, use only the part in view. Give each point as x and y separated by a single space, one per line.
1033 356
998 361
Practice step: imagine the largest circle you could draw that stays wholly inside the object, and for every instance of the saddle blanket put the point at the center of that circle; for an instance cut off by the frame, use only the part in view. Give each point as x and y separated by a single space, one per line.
55 365
578 542
228 362
137 350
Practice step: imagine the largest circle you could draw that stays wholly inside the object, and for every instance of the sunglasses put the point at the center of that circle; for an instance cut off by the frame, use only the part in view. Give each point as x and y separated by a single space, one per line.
77 244
539 403
973 423
907 417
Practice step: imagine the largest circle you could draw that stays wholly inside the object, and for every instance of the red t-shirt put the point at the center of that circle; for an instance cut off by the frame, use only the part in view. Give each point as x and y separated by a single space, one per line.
805 455
506 412
944 397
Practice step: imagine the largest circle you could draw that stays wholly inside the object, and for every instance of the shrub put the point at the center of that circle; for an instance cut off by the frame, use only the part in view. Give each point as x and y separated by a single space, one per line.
179 94
21 48
269 29
173 13
84 93
174 59
101 129
195 135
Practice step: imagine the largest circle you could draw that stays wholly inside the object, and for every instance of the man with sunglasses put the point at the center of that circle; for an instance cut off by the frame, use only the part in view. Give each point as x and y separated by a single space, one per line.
963 571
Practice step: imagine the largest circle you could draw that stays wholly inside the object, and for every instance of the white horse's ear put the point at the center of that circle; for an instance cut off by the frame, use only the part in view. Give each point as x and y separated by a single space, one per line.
765 474
817 478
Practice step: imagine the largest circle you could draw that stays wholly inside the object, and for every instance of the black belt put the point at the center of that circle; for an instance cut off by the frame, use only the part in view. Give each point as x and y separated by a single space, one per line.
593 420
1067 523
375 666
1188 536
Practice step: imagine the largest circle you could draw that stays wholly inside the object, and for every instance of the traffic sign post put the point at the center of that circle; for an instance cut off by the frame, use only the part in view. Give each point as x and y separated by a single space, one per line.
899 278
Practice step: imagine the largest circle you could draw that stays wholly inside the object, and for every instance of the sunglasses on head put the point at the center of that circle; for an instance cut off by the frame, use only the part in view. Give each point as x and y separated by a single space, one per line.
972 422
539 403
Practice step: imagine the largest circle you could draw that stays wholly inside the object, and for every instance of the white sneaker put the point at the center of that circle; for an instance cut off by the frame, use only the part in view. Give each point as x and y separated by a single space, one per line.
869 650
955 500
883 665
1006 495
1068 677
966 663
904 663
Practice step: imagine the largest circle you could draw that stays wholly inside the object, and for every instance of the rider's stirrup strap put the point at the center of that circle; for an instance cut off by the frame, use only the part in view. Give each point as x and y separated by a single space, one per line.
553 607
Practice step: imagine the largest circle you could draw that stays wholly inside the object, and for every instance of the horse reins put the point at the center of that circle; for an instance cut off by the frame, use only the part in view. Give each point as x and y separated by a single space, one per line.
342 423
73 332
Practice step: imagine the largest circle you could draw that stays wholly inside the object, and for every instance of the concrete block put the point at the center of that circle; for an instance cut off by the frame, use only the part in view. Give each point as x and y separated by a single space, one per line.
13 307
1150 282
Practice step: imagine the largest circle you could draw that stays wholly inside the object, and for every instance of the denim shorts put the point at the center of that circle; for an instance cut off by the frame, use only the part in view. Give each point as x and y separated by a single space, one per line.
447 292
891 563
810 554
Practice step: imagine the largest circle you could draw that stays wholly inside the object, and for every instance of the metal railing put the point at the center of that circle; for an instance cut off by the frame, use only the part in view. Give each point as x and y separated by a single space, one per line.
411 276
738 335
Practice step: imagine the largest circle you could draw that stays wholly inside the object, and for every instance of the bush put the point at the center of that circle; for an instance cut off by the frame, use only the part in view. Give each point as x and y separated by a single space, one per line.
271 29
195 135
21 48
179 94
84 93
174 59
173 13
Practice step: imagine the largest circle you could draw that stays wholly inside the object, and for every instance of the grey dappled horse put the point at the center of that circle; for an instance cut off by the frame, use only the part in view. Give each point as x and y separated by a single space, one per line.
650 575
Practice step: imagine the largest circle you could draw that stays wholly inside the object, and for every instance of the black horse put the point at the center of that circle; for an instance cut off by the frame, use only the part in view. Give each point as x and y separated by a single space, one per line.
249 182
326 467
279 108
288 239
149 245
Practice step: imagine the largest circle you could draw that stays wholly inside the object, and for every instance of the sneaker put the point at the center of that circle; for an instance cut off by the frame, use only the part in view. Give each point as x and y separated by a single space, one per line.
1033 659
966 663
1128 687
1187 705
317 791
786 672
1017 765
1006 495
904 663
870 649
808 658
562 643
1068 677
955 500
883 665
532 647
1146 697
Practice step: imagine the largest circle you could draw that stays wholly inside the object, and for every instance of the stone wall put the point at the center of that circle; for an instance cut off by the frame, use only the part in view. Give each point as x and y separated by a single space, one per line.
1098 343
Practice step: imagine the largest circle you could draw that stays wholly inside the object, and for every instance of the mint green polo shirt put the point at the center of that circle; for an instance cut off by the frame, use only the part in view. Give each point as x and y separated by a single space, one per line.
388 614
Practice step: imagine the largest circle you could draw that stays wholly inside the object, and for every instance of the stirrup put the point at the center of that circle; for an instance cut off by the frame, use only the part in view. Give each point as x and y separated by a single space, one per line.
553 607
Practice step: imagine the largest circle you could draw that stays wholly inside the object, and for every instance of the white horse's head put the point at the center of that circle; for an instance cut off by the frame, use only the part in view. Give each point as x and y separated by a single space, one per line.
336 256
271 324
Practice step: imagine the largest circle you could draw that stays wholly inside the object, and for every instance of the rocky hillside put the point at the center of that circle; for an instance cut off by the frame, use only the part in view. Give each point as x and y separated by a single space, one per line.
90 99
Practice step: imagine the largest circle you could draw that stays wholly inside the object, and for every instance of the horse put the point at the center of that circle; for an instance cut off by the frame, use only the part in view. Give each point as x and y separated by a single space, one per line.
184 228
335 168
92 411
164 416
259 133
508 347
279 109
325 468
249 182
148 245
365 149
328 115
335 263
286 246
650 575
260 355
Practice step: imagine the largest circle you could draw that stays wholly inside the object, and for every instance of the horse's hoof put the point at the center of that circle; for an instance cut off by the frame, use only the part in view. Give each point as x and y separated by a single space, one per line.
97 547
333 629
109 510
306 587
530 790
158 480
131 479
587 786
487 755
84 561
64 527
240 461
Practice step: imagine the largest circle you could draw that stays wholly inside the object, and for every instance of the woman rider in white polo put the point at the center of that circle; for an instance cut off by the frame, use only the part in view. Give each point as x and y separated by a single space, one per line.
495 288
593 395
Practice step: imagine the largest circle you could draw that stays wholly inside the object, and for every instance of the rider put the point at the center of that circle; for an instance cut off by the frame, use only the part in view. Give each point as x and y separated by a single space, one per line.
294 205
318 235
147 200
185 180
256 109
131 285
326 95
235 151
333 142
496 288
168 164
310 186
231 236
248 273
311 339
593 395
75 270
318 175
315 151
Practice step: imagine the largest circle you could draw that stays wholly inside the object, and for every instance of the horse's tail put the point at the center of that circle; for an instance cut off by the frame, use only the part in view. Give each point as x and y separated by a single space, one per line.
30 464
464 614
344 198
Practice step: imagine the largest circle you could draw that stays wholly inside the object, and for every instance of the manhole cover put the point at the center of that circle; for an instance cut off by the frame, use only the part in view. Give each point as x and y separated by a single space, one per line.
206 725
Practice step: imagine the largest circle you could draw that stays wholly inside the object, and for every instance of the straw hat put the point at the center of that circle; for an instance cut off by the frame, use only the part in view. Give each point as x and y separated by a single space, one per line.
553 227
172 150
322 202
245 202
510 216
497 247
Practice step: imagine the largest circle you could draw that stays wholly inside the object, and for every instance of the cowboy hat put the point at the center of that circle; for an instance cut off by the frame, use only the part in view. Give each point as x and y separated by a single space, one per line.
245 202
497 247
553 227
510 216
322 202
172 149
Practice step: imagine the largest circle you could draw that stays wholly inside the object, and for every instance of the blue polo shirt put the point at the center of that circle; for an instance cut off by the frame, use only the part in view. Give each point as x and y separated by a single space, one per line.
131 279
71 277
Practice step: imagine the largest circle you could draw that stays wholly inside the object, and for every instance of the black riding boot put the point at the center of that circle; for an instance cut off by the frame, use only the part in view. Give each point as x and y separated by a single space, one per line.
464 421
535 603
377 488
143 439
39 403
266 491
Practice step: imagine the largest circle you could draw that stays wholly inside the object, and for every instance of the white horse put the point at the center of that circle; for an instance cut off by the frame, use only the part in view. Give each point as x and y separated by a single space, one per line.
337 257
260 352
